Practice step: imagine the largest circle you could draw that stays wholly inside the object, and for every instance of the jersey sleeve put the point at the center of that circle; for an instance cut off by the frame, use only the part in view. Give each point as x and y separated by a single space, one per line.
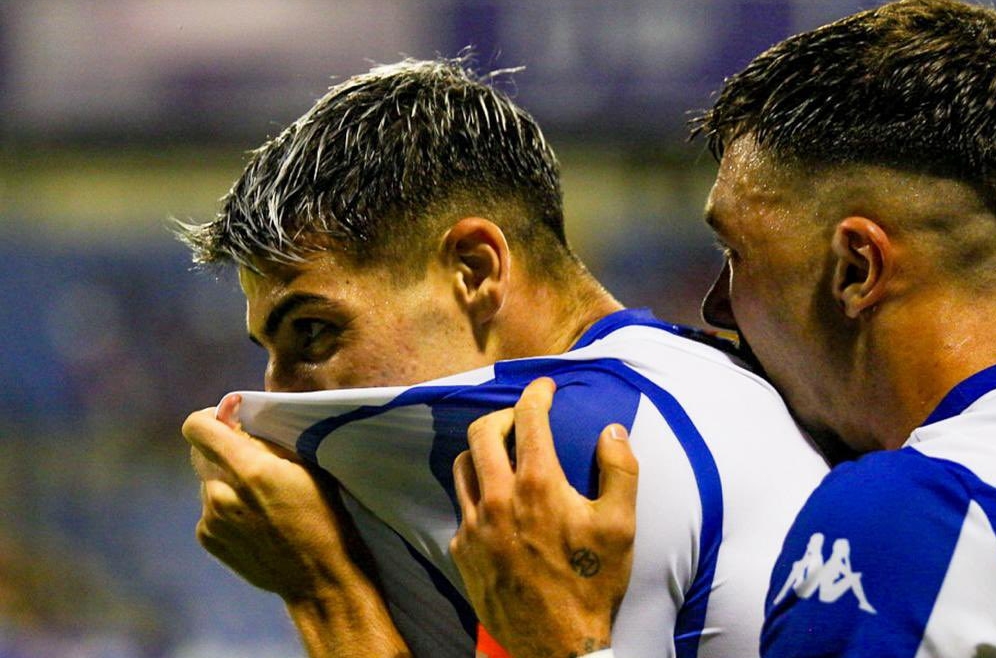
861 567
585 403
392 451
588 398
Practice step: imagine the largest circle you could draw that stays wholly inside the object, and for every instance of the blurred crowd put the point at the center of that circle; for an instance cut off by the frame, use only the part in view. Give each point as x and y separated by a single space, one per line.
110 337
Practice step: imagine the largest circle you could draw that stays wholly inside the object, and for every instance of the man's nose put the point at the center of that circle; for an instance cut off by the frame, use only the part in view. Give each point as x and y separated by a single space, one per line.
716 308
287 380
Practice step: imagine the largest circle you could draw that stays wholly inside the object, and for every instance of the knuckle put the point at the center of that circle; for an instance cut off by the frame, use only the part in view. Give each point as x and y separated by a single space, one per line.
254 475
459 462
530 485
530 402
203 532
494 508
621 532
536 396
190 424
479 429
485 426
457 547
228 510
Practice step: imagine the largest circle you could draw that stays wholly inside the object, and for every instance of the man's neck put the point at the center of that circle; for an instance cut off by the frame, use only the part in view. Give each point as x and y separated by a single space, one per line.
930 357
550 319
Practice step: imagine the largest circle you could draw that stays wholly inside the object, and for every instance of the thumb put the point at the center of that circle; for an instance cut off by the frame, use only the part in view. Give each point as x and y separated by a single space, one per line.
618 470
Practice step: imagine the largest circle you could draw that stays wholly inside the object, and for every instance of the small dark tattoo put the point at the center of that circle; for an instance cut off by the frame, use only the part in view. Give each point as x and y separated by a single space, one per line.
585 562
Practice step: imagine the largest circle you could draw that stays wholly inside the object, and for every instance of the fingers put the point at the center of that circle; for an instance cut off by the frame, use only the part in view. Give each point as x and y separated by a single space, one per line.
488 454
222 517
467 487
618 471
534 451
220 500
217 441
205 468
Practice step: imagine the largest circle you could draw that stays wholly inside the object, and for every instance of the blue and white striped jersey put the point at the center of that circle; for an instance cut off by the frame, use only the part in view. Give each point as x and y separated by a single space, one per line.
723 471
894 555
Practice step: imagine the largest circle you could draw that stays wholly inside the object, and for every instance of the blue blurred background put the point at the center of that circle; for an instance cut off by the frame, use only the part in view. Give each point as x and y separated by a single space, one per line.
116 115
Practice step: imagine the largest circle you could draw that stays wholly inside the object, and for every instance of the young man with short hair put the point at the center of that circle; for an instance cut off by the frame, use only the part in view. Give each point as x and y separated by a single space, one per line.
856 199
409 227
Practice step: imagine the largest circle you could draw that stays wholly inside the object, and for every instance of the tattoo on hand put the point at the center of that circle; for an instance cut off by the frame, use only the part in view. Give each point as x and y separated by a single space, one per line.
585 562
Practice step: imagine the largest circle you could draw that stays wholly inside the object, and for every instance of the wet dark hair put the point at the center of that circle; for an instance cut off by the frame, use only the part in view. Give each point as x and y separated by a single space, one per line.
909 85
379 162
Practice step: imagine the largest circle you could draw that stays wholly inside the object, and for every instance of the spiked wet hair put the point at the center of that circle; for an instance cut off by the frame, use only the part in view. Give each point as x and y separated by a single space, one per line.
909 85
379 162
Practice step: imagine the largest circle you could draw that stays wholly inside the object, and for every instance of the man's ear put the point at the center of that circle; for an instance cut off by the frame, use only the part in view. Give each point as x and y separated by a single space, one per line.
477 252
864 264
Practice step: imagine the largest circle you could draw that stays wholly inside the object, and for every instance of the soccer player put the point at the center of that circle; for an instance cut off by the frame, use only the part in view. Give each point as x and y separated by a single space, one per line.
409 227
856 197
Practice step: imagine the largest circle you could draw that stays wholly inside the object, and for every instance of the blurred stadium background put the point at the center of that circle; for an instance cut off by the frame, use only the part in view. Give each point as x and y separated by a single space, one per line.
115 115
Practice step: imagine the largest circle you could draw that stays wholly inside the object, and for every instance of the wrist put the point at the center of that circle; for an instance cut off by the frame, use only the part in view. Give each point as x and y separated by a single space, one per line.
346 622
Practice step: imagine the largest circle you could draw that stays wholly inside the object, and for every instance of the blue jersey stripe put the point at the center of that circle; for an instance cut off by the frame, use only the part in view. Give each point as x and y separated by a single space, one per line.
455 407
691 618
511 378
963 395
976 489
902 513
309 440
466 614
642 317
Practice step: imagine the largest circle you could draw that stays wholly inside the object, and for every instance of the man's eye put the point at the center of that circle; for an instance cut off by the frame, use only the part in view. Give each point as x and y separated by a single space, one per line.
316 338
313 329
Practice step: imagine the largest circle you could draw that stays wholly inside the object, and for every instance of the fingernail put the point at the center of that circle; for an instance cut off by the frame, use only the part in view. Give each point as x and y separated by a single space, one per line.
617 432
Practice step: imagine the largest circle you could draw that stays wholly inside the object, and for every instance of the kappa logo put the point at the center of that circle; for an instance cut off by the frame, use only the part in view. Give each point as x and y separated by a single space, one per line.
831 578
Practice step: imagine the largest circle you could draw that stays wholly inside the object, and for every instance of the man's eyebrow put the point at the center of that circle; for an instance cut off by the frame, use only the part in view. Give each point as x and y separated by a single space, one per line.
286 306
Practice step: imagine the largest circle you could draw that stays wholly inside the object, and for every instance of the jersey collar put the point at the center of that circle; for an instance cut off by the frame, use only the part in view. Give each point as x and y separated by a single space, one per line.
625 318
963 395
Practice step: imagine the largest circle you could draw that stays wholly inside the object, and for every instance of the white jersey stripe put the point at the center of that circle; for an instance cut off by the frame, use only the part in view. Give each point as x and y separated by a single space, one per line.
964 593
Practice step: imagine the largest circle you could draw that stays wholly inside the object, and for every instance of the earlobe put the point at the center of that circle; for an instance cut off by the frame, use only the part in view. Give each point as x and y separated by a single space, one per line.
478 255
864 264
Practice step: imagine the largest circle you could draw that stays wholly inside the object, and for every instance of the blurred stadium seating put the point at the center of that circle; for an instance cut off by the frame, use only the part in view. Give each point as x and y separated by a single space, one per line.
115 116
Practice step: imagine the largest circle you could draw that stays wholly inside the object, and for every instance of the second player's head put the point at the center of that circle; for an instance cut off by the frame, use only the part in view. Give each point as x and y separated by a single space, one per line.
856 196
375 235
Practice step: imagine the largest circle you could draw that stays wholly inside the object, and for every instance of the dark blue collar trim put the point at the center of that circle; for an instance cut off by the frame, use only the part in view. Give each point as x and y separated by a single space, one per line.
963 395
624 318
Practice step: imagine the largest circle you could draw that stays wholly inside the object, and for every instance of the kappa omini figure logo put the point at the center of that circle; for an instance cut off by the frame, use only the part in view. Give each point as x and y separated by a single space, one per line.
831 578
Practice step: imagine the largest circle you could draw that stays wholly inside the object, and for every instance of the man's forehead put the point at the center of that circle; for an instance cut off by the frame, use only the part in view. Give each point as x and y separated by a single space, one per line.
748 171
270 273
747 175
268 283
277 290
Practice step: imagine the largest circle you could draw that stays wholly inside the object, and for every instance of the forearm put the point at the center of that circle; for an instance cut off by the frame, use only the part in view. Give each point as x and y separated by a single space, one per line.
347 624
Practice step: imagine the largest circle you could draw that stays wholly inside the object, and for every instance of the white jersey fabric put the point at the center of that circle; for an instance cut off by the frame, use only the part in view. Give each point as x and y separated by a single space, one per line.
895 554
723 472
